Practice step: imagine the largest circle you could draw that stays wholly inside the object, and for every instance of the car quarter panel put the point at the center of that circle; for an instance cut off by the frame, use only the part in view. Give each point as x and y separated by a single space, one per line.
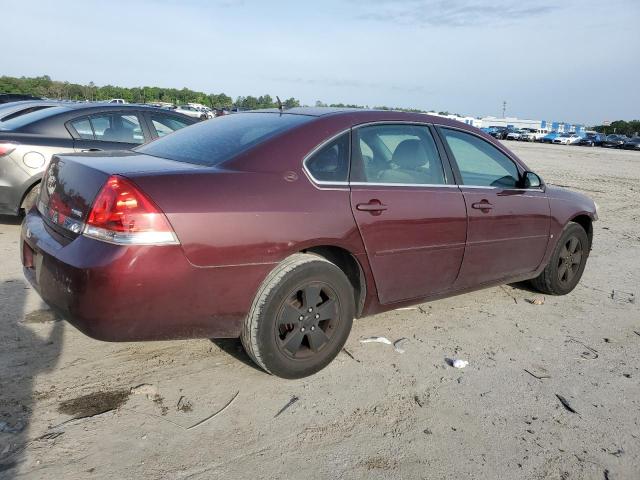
117 293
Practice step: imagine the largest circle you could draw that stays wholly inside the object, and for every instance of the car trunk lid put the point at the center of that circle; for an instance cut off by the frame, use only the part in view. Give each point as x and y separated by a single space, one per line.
72 182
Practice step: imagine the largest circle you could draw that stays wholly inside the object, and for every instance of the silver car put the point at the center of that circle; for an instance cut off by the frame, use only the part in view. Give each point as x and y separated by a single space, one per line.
28 141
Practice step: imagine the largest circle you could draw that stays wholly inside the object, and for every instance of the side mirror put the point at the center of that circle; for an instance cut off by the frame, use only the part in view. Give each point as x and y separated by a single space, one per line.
531 180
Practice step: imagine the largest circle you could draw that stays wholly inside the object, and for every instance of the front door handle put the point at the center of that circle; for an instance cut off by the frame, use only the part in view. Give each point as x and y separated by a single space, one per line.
483 205
374 207
92 150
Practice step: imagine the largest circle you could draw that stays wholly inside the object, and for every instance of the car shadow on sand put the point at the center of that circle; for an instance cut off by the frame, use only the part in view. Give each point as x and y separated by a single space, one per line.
24 354
233 347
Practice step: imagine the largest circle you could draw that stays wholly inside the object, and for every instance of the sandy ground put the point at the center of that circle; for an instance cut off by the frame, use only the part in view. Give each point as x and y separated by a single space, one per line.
380 414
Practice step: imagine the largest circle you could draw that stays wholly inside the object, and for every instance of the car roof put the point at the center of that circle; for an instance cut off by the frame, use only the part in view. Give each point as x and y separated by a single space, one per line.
362 115
50 122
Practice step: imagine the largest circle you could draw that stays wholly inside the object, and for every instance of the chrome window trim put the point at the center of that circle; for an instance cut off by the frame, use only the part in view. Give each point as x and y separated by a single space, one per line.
382 184
325 183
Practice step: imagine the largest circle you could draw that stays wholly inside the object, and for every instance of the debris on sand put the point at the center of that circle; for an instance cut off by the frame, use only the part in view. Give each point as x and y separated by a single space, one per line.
536 300
204 420
348 353
565 403
384 340
399 344
94 403
590 353
293 400
184 405
540 374
150 391
622 297
458 363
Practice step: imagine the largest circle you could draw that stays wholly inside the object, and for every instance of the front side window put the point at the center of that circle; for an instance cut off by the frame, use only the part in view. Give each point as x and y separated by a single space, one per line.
165 124
480 163
331 162
117 127
398 154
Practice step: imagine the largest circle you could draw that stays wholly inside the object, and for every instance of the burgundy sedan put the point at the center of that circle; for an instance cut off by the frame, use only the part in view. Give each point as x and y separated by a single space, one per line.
281 227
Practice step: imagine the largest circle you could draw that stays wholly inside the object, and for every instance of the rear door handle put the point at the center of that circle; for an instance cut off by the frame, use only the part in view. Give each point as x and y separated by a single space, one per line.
483 205
374 207
92 150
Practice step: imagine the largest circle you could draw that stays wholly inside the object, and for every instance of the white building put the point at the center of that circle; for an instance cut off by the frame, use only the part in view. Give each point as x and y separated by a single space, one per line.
552 126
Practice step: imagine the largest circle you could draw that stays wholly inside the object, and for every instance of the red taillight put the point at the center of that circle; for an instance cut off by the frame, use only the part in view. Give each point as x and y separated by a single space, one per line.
121 213
6 148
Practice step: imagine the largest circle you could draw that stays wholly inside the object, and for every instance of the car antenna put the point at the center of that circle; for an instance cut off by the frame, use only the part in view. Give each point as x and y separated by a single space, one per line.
279 104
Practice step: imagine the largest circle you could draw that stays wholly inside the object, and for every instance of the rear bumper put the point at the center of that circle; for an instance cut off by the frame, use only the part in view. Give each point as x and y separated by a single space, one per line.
125 293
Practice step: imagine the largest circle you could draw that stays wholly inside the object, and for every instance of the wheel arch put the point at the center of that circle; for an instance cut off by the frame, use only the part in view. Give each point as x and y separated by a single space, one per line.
585 222
351 267
26 191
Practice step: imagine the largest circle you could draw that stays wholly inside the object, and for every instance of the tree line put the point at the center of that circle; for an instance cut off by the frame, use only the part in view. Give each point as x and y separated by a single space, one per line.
622 127
44 86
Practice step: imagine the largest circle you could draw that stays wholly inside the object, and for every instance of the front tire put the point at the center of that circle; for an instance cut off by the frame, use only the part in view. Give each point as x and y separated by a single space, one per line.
565 267
300 318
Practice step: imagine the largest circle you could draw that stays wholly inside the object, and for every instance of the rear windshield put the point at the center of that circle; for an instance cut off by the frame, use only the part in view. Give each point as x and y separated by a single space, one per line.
23 120
217 140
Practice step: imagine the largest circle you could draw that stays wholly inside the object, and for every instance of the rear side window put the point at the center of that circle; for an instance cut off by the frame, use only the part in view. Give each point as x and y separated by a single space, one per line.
109 127
165 124
218 140
480 163
83 128
331 162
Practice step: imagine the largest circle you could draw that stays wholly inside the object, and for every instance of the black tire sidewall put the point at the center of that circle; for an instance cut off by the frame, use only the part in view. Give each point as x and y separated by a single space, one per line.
317 271
573 229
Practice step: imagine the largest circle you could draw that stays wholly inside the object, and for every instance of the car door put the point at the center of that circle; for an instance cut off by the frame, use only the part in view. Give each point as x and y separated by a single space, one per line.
508 226
113 130
409 212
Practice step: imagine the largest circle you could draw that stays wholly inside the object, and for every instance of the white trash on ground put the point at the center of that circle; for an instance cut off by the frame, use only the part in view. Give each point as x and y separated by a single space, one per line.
457 363
399 344
384 340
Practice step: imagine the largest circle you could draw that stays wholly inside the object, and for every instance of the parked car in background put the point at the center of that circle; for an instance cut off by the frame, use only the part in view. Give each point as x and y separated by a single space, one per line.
500 133
120 101
566 139
516 135
632 144
349 213
591 139
550 137
534 134
614 141
193 112
15 109
28 141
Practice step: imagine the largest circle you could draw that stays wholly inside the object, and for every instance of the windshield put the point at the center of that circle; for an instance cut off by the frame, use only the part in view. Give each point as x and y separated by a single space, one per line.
215 141
19 122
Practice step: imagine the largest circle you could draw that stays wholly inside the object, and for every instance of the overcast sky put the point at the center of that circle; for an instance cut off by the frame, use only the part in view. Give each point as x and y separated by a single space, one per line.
568 60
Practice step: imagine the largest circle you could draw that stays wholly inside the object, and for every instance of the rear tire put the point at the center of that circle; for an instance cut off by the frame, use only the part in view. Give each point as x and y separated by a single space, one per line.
300 318
567 262
30 198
